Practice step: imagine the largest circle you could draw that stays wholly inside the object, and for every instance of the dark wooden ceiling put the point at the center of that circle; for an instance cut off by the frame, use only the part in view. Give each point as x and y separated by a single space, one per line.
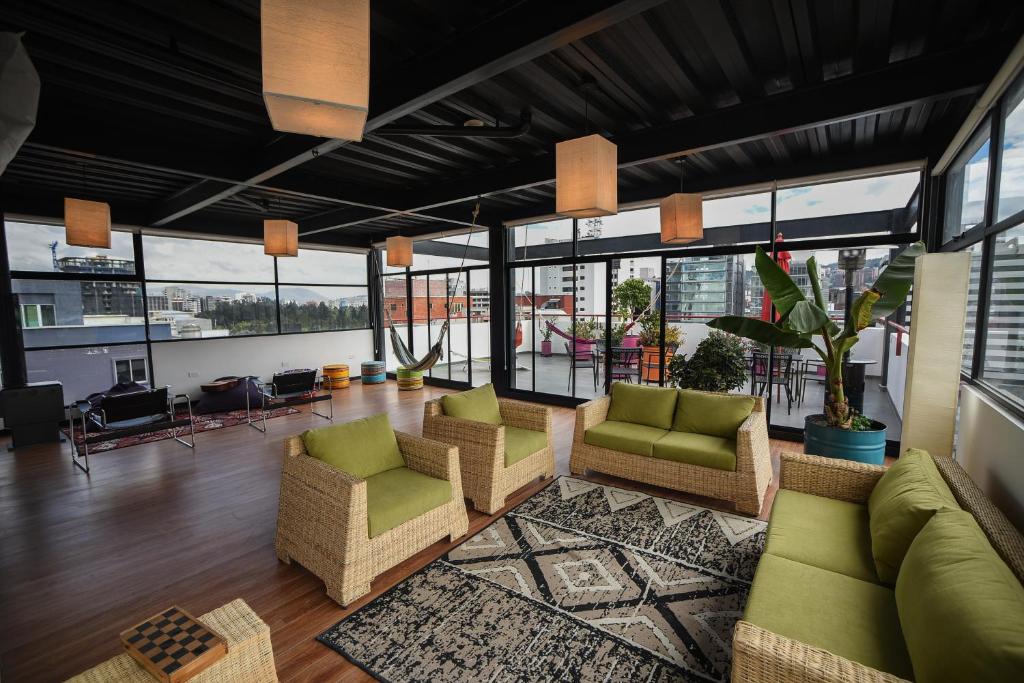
155 105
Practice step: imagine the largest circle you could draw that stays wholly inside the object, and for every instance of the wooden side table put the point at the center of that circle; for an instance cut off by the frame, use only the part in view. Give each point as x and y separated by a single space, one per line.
250 656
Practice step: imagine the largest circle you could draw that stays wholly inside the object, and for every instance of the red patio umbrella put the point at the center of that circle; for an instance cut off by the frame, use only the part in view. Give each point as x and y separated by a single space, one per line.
782 258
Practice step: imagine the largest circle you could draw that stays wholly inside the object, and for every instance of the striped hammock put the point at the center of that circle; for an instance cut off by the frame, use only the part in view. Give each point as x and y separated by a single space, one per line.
409 361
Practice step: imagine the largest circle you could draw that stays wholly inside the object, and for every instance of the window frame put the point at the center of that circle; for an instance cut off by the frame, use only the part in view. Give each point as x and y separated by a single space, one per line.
131 369
986 233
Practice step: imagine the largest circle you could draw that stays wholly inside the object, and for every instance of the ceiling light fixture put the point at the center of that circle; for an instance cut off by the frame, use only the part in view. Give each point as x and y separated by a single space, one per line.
316 66
399 251
586 173
682 215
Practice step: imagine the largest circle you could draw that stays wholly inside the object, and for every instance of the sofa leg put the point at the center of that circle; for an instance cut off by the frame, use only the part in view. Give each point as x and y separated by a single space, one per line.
489 506
282 554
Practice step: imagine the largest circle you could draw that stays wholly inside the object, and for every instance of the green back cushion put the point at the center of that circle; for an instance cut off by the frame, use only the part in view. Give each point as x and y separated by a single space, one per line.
650 406
711 414
362 448
960 606
902 502
478 405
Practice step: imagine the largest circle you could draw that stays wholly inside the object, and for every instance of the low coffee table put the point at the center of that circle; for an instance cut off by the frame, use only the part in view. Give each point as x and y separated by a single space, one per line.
250 655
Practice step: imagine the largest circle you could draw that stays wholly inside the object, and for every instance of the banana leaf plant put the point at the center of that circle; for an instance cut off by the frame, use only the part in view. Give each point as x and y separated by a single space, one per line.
801 320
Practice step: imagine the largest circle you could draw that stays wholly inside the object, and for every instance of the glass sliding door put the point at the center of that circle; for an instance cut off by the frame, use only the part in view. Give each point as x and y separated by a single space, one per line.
479 351
528 331
456 353
589 325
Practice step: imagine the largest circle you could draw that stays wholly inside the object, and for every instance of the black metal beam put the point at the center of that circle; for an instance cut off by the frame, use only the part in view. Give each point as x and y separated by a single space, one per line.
940 77
524 32
451 249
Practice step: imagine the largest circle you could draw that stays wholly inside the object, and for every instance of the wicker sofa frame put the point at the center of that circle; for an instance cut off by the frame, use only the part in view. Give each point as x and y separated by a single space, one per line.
485 479
321 521
745 487
760 655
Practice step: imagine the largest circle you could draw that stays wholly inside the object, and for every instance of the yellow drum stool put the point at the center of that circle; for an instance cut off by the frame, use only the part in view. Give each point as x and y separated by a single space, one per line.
409 380
336 376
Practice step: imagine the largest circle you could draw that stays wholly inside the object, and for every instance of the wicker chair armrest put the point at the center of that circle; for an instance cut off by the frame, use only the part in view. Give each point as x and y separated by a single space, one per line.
829 477
593 412
524 415
333 502
753 449
433 458
479 443
760 655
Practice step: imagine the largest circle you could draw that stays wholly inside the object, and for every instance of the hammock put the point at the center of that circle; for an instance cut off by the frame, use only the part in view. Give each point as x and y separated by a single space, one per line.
566 335
409 361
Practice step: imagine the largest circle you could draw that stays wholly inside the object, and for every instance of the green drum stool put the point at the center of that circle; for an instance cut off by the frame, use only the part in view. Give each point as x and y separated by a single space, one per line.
409 380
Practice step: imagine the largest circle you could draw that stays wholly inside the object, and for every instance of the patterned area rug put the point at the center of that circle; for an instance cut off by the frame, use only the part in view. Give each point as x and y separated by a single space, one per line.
202 423
581 582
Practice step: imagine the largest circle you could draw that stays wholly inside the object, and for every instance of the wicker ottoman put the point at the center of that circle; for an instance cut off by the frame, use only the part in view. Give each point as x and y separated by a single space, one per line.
336 376
250 656
372 372
409 380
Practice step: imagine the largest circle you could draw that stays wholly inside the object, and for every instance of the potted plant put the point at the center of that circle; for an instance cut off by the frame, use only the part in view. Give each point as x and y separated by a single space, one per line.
545 344
631 298
718 364
650 340
838 432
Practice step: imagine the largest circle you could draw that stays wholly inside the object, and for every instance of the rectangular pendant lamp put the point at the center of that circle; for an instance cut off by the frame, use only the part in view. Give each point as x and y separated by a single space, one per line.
87 224
280 238
399 252
682 218
586 177
316 66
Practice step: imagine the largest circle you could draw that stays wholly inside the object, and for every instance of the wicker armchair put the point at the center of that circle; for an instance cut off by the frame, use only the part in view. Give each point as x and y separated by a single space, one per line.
322 518
745 487
761 655
485 478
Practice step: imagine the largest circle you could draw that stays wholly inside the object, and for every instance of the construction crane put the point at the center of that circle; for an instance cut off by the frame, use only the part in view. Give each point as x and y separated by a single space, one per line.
53 251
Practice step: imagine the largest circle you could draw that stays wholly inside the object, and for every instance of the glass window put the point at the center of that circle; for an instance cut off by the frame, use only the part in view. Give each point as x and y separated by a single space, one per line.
879 205
1011 175
396 313
130 370
548 239
318 309
191 311
315 266
1004 337
966 187
448 252
175 258
77 312
971 321
480 325
42 248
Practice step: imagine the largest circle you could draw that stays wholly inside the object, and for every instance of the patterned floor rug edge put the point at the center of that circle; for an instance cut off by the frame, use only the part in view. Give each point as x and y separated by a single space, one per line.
516 595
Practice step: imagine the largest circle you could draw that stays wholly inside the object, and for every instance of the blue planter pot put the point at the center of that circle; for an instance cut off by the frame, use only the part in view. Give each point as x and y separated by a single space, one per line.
867 446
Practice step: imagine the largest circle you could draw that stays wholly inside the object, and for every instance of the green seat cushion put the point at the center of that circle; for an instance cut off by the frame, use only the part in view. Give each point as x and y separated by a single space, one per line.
822 532
522 443
624 436
362 448
698 412
961 607
848 617
697 449
396 496
902 502
650 406
478 405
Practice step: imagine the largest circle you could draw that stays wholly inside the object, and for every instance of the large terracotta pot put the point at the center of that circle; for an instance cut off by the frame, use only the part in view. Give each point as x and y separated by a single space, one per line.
650 370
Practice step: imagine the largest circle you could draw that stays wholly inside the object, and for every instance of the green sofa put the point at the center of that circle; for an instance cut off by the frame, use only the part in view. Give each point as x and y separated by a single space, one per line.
871 574
706 443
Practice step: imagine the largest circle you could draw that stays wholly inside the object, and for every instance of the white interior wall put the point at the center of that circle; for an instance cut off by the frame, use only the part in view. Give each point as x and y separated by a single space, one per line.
187 364
989 448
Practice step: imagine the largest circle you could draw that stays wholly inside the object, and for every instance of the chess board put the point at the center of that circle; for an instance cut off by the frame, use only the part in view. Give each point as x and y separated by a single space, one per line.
173 646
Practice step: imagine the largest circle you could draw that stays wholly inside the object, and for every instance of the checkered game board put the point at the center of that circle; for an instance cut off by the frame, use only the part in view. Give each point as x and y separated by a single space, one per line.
173 646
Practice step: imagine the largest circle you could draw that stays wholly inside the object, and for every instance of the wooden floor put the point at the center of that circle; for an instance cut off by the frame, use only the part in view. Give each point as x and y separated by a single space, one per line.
82 557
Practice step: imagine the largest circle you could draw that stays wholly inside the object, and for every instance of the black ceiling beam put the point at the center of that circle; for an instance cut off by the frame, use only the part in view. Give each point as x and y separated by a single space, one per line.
524 32
948 75
877 156
451 250
847 225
